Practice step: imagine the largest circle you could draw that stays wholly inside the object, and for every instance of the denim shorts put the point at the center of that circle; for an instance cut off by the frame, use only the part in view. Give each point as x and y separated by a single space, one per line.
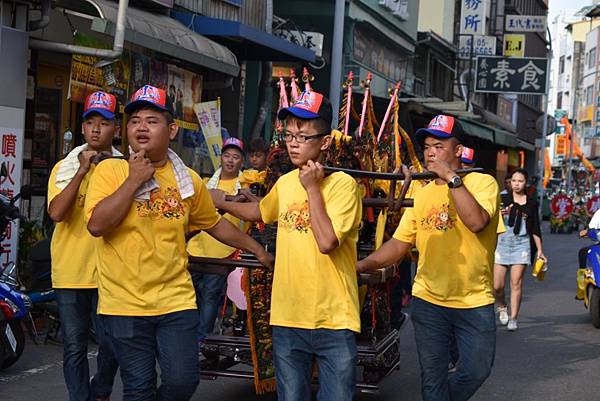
513 249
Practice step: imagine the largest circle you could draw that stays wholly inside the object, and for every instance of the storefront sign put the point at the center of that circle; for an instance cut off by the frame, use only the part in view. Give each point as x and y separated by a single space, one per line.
209 117
12 158
310 40
562 206
377 56
482 46
511 75
525 23
514 45
472 17
561 145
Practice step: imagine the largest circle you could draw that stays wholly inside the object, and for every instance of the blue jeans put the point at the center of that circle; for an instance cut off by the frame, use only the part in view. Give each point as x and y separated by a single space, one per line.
209 297
336 356
77 310
475 333
139 341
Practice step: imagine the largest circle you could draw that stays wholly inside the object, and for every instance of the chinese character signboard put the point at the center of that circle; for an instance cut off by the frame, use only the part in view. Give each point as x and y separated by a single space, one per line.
511 75
482 46
10 185
514 45
525 23
472 17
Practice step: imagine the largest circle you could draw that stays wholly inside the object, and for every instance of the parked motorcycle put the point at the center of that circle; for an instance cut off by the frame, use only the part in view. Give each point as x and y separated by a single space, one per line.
588 279
14 305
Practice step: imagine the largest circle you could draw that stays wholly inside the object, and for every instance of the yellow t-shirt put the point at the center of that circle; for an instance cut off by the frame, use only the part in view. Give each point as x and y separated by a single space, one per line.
203 244
312 290
143 262
72 246
455 267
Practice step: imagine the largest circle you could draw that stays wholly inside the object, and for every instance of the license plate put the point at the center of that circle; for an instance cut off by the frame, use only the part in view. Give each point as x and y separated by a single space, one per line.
11 338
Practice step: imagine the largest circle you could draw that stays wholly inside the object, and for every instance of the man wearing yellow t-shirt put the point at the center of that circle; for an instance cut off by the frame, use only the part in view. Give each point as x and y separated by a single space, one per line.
209 287
72 252
314 300
140 210
453 225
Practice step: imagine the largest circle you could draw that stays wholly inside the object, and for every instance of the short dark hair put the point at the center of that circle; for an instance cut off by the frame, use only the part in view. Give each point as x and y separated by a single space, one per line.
520 171
319 124
258 145
166 114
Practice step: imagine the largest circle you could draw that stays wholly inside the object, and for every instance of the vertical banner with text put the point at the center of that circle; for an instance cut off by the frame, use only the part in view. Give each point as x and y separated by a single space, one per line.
209 117
472 17
12 157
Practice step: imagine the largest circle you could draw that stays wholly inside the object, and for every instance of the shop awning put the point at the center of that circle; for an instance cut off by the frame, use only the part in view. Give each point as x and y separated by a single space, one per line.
477 130
161 34
248 42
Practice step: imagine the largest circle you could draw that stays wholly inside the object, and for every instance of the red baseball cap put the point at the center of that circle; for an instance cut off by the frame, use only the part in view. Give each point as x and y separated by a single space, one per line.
233 142
442 127
148 95
468 155
102 103
309 106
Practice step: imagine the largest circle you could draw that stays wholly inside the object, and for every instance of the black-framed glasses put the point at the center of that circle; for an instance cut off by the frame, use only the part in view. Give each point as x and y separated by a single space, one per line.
300 138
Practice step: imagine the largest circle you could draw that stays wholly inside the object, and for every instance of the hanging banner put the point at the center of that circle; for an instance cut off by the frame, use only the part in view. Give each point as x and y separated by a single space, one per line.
85 78
209 117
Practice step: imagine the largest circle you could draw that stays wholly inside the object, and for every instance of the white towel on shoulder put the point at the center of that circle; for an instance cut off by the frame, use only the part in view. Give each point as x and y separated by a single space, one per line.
182 176
70 164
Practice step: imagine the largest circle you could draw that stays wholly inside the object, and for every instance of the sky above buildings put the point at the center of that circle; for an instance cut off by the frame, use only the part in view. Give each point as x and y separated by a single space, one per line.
556 5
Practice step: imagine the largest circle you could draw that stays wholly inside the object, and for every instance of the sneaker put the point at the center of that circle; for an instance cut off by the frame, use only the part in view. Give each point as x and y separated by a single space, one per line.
503 315
512 325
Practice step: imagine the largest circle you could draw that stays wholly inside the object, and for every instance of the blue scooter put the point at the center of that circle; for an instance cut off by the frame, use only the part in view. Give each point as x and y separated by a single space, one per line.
14 305
588 279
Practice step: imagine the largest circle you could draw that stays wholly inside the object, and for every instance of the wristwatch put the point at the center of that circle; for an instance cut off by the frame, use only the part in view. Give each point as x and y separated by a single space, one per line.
455 182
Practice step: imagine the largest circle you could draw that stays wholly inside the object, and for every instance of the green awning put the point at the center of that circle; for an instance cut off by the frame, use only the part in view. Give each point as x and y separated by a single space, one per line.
505 138
477 130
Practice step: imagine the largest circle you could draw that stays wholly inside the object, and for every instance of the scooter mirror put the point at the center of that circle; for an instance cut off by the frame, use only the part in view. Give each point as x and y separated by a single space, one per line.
3 170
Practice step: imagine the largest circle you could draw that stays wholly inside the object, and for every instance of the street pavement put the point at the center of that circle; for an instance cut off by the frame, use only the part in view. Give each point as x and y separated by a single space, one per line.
555 354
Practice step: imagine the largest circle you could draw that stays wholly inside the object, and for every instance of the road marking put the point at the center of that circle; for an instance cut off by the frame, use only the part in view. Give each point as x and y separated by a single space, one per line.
39 370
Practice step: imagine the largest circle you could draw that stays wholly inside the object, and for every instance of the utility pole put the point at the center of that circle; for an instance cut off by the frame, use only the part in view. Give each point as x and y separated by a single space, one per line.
575 108
337 48
549 56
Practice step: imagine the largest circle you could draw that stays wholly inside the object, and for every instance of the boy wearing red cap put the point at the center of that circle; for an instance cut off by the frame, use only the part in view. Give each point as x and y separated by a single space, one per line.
453 225
314 301
72 250
209 287
140 210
